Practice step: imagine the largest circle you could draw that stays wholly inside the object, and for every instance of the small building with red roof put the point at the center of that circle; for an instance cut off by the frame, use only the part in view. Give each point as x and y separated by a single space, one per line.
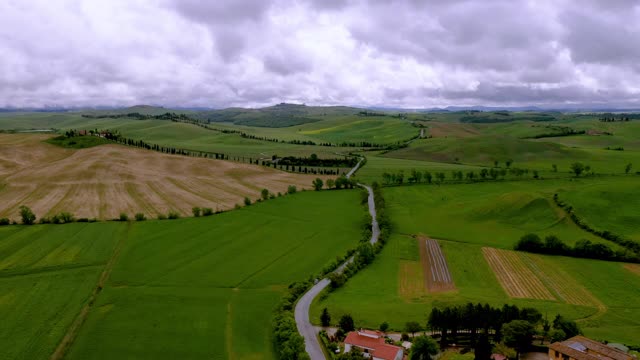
372 344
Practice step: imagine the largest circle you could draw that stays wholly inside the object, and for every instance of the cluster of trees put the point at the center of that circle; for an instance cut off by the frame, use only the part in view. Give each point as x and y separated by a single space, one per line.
370 113
552 245
557 132
579 168
342 182
617 117
138 116
314 160
288 343
512 326
629 244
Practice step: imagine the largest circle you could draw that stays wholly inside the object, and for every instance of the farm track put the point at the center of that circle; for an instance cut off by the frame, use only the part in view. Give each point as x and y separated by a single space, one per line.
72 332
437 277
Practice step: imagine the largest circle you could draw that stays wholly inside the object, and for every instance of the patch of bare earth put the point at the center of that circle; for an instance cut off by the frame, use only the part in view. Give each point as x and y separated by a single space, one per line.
106 180
437 277
634 268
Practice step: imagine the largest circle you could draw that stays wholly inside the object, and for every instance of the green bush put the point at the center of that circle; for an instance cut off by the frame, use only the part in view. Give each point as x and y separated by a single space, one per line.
28 217
196 211
247 201
123 217
172 215
4 221
207 211
292 189
162 217
140 217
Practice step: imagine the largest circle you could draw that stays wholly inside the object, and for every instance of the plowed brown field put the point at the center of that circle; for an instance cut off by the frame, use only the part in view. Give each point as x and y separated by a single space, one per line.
437 277
106 180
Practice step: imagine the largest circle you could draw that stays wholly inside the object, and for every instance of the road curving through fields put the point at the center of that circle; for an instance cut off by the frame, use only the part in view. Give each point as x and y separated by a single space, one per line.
305 327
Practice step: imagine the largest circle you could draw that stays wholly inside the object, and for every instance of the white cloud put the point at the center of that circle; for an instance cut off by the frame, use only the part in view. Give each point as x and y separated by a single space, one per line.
257 52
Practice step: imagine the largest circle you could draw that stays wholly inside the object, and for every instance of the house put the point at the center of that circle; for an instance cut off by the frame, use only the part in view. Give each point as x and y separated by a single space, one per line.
372 344
582 348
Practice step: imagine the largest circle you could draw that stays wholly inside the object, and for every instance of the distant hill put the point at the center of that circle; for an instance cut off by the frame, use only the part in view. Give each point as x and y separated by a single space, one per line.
140 109
281 115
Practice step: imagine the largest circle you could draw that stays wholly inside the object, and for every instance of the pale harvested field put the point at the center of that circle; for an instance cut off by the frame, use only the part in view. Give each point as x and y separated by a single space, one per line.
437 277
516 278
524 275
106 180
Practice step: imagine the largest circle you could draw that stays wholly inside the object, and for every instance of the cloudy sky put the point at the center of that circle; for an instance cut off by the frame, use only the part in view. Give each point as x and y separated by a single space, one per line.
370 53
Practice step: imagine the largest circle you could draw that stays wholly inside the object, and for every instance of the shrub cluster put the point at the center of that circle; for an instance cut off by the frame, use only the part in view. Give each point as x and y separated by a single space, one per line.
477 318
582 249
288 343
629 244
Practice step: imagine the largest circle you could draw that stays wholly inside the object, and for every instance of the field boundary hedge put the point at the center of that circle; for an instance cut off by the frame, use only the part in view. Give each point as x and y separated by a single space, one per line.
604 234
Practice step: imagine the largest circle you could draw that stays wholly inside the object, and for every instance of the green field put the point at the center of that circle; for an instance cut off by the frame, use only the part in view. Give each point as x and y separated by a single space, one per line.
612 207
187 288
207 287
466 218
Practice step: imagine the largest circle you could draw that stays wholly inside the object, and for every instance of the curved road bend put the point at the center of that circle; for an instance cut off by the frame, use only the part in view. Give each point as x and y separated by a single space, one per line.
305 328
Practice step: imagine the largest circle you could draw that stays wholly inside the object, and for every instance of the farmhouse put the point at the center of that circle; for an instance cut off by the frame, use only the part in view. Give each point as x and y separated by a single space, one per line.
373 345
582 348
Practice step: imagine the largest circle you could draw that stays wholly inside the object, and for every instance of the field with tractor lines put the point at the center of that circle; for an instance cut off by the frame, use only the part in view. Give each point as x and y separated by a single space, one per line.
104 181
436 271
186 288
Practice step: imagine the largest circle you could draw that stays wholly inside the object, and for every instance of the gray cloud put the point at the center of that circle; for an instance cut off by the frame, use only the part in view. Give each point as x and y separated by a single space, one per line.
409 53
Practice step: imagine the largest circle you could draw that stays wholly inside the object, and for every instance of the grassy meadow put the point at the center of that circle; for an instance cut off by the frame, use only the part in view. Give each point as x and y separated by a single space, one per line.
187 288
466 218
206 287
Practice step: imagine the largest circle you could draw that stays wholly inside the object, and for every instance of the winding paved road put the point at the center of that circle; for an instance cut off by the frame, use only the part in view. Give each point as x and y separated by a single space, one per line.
305 328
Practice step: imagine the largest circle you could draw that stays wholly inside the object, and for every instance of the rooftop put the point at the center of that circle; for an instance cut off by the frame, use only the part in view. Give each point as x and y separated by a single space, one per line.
582 348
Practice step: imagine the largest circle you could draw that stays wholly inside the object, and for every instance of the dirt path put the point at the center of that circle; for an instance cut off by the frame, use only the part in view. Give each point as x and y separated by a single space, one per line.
305 327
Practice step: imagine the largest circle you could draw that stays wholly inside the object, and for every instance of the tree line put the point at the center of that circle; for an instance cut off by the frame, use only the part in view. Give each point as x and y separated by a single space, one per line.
303 169
552 245
629 244
365 253
138 116
417 176
559 131
509 325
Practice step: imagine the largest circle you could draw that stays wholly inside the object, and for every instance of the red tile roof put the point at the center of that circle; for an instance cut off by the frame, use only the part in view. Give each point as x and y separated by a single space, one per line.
376 345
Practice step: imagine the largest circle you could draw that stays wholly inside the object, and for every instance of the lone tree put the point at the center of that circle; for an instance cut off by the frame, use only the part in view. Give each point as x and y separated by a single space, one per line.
518 334
265 194
384 327
196 211
325 318
509 162
28 217
317 184
412 327
627 168
422 348
330 183
577 168
483 348
247 201
346 323
292 189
